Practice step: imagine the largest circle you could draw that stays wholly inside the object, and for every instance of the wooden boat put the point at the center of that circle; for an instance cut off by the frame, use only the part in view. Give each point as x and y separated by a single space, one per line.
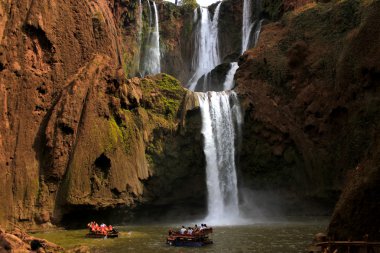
110 234
197 239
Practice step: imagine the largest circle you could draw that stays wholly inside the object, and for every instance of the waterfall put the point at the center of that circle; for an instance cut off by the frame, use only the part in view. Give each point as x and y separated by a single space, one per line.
221 122
221 118
195 15
140 27
150 13
229 82
207 48
156 48
140 22
257 33
151 63
249 25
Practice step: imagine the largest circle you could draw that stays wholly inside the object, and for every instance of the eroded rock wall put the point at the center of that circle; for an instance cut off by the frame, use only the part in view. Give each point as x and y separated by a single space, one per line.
309 92
43 44
177 31
74 133
355 214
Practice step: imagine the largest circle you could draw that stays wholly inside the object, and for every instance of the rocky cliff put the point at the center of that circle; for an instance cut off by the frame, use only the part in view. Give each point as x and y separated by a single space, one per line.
43 44
81 136
75 135
310 94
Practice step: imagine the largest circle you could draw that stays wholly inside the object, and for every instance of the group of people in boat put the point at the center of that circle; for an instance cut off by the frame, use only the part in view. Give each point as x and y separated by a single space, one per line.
100 229
190 230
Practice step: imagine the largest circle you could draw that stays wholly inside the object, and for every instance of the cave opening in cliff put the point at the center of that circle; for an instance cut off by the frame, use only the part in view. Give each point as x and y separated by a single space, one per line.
103 163
78 216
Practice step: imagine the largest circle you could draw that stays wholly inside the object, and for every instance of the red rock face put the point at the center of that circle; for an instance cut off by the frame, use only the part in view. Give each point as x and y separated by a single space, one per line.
73 132
310 94
43 44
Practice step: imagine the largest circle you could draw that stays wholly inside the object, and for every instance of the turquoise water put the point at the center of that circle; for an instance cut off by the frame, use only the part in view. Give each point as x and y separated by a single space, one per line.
270 237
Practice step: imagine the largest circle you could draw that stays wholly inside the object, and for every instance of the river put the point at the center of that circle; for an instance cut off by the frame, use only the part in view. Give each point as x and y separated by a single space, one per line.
291 236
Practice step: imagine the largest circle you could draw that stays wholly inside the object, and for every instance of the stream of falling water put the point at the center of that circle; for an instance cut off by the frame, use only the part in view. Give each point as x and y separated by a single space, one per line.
220 118
249 24
151 63
221 115
207 49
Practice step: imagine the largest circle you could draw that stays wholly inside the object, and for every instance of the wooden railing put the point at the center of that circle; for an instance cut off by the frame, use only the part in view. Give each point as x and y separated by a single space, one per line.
349 247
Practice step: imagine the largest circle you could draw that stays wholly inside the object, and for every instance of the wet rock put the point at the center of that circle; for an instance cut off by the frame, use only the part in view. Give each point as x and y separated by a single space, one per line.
214 80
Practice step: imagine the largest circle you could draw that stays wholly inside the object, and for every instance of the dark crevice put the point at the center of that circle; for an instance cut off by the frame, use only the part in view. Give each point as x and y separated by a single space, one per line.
115 192
65 128
103 163
36 32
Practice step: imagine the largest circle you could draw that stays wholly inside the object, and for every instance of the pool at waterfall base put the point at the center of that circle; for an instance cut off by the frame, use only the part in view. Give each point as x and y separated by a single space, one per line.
290 236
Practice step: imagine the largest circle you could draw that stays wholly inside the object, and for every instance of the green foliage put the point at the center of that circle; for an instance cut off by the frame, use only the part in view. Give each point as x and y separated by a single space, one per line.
190 4
119 133
273 9
115 131
168 94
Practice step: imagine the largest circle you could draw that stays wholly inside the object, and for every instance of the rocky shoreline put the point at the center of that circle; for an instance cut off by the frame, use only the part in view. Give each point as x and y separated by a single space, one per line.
18 241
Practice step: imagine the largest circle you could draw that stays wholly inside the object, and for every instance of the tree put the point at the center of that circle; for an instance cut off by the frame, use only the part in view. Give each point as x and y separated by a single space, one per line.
191 3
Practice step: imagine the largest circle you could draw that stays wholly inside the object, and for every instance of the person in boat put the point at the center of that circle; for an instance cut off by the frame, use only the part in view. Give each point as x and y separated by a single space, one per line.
182 231
196 229
96 228
189 231
104 229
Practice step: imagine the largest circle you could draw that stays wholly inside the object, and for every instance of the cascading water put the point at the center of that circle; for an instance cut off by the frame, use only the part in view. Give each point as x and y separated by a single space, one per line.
150 13
207 48
229 82
249 25
221 114
151 63
140 27
140 22
257 33
221 118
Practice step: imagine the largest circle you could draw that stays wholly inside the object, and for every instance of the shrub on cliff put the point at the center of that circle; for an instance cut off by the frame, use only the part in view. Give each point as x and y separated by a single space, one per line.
190 3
